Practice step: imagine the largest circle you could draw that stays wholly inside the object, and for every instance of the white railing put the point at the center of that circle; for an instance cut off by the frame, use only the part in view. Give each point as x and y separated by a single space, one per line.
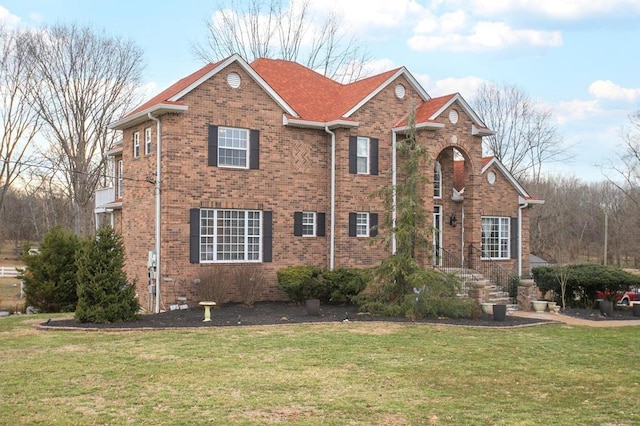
8 272
105 196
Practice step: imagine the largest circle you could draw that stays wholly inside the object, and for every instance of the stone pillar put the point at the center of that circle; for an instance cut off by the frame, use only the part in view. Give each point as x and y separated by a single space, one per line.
479 291
527 292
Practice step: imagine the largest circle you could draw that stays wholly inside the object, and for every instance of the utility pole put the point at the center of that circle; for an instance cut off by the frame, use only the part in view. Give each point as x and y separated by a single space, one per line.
606 235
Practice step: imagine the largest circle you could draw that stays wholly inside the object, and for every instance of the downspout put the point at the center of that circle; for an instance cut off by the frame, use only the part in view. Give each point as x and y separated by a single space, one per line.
157 215
393 186
332 238
524 206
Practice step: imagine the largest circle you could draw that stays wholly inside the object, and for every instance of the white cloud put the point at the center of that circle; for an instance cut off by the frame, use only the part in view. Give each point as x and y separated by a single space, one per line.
7 18
555 9
360 15
485 36
466 86
576 110
607 89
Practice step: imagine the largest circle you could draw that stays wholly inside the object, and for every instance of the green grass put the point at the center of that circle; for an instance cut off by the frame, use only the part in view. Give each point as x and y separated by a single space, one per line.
352 373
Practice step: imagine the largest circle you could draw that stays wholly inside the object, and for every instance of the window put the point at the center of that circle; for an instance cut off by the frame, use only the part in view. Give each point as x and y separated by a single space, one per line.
119 179
147 141
230 235
308 224
362 154
233 147
437 180
495 237
363 224
136 144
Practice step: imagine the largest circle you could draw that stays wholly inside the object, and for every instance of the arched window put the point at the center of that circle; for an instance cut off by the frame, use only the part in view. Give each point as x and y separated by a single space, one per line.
437 180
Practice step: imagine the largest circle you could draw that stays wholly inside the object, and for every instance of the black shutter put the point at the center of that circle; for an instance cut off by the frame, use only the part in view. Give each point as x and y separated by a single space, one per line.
194 235
373 156
297 224
353 154
352 224
254 149
373 224
320 225
212 146
514 237
267 236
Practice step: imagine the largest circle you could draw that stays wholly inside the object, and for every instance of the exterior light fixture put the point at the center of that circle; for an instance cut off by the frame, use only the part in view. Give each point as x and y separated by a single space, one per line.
453 221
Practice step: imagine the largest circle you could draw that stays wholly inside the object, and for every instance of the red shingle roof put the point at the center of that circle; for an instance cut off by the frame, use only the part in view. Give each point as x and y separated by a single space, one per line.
312 95
426 110
177 87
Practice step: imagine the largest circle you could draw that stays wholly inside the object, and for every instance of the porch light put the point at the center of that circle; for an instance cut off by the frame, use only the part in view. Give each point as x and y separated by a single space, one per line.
452 220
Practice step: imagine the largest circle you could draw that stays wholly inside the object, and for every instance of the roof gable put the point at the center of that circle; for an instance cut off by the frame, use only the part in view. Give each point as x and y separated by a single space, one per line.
487 162
432 109
169 99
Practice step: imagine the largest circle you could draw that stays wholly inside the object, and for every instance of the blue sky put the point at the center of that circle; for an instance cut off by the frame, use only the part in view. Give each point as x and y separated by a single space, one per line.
580 58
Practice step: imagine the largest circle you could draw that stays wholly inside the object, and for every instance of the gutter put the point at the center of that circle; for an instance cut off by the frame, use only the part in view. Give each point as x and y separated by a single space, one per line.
394 213
332 243
523 205
157 212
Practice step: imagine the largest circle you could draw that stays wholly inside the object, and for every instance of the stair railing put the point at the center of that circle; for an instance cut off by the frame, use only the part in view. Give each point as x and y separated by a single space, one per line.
503 280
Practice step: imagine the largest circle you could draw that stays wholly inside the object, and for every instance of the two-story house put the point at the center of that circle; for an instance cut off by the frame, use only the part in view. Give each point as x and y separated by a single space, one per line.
274 164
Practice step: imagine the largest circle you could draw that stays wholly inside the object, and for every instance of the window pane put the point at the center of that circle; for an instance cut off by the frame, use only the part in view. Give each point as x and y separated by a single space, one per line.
308 223
230 235
232 147
495 237
362 154
362 224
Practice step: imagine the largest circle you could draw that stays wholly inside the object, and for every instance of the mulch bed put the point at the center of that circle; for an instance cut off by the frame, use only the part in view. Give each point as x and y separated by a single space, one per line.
273 313
619 313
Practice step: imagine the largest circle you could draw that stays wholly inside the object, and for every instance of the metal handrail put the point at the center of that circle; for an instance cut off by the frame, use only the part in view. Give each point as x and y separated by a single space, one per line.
503 280
449 263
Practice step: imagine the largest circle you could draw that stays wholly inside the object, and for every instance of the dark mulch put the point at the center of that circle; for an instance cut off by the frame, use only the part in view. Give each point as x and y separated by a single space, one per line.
619 313
271 313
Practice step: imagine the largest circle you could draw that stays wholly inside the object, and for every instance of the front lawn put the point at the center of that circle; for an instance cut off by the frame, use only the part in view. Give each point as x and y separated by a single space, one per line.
344 373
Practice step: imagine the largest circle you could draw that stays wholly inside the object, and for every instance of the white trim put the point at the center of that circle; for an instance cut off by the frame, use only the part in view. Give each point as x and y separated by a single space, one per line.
500 219
494 161
314 224
332 243
367 141
247 68
246 149
394 181
418 126
402 71
367 225
296 122
115 149
477 131
465 106
139 117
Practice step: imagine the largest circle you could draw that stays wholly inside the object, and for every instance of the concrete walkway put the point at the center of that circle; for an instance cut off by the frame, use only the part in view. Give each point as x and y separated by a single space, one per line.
575 321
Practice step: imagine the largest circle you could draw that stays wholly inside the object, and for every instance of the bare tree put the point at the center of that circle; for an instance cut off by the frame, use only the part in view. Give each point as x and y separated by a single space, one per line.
85 81
284 30
626 170
525 138
19 122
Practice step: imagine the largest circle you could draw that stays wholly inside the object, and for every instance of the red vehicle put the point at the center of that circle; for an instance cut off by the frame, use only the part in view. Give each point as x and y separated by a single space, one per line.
631 295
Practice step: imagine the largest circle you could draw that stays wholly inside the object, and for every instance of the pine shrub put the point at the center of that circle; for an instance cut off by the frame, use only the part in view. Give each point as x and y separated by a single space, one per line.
50 277
104 293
